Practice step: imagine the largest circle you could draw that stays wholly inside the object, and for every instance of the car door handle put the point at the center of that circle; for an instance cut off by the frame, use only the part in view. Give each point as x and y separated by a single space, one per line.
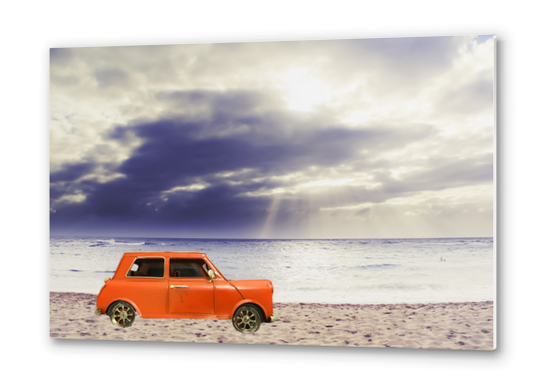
178 286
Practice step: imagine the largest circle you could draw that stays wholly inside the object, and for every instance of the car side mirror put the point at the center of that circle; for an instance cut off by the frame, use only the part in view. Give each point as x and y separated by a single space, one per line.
211 275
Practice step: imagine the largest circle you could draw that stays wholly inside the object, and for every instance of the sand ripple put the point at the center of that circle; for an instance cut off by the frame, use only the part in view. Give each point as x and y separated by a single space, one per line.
466 325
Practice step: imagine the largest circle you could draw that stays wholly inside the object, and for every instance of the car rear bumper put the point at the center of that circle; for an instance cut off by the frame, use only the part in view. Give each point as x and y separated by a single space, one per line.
97 312
272 319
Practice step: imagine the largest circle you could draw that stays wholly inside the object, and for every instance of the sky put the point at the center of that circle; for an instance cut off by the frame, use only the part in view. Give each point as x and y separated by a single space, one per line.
368 138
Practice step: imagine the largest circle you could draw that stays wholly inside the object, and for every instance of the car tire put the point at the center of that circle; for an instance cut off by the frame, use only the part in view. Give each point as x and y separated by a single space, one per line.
122 314
247 319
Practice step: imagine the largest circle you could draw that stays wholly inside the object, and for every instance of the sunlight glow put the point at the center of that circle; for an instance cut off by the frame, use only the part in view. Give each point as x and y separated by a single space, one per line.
316 186
304 91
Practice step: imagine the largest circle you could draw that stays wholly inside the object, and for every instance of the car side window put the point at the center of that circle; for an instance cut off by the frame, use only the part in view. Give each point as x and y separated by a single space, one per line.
147 267
187 268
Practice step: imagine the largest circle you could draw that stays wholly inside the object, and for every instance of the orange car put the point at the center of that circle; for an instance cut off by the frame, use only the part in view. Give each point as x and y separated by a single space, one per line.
179 285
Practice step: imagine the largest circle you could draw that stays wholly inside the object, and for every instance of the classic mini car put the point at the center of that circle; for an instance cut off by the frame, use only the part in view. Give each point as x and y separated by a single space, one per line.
177 285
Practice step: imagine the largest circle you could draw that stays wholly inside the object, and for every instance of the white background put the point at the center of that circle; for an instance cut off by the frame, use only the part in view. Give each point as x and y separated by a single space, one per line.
29 29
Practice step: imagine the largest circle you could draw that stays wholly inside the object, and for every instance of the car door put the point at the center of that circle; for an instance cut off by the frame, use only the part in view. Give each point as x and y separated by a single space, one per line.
190 290
145 285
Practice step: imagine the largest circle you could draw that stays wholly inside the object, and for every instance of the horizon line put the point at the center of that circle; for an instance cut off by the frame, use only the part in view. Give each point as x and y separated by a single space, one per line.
267 239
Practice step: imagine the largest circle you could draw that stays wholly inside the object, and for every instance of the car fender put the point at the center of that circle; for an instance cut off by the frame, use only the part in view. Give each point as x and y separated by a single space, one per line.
246 301
126 300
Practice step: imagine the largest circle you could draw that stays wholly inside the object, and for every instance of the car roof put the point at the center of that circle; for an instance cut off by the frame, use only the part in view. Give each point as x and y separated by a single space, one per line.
188 255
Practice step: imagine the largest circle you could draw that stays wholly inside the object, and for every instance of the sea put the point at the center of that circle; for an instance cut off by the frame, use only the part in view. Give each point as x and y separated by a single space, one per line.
355 271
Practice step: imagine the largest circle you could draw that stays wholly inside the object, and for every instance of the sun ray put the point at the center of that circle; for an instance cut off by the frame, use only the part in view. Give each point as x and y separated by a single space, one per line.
272 211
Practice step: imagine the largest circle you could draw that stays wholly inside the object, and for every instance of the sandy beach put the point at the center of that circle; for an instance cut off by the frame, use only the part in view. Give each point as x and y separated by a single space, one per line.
467 325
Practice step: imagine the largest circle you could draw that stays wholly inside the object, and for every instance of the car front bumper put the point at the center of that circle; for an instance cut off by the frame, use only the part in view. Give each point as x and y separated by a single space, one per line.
272 318
97 312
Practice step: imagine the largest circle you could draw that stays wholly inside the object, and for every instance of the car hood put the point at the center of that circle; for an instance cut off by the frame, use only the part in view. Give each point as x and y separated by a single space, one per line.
249 288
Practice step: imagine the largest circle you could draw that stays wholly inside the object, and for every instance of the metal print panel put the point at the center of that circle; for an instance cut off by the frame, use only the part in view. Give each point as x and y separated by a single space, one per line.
332 193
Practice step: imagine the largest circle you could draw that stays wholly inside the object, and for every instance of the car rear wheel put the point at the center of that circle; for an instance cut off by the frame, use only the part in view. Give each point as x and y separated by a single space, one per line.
247 319
122 314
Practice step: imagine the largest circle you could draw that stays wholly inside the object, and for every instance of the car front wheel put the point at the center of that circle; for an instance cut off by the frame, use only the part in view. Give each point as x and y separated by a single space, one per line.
247 319
122 314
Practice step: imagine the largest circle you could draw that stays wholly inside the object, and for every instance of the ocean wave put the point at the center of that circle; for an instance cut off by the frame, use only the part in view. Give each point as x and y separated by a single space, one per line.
101 243
104 243
110 241
374 266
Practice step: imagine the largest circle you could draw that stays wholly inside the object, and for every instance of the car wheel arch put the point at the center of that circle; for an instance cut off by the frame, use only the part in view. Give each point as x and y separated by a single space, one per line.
248 302
119 300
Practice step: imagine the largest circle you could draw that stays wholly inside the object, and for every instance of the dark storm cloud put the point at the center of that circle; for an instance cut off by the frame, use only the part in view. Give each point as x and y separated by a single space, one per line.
232 148
56 192
71 172
176 151
219 204
181 151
